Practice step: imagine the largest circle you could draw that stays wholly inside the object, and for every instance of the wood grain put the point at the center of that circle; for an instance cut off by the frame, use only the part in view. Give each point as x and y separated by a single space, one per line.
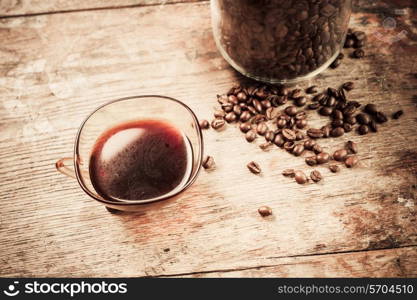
14 8
55 69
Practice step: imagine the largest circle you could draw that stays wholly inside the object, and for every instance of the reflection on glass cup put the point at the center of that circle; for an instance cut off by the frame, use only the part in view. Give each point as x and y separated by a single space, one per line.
135 151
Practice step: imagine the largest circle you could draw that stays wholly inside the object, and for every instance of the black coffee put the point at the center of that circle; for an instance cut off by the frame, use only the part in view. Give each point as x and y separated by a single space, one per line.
139 160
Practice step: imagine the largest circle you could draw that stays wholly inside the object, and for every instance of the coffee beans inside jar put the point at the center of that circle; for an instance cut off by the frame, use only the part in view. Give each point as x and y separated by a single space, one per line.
279 40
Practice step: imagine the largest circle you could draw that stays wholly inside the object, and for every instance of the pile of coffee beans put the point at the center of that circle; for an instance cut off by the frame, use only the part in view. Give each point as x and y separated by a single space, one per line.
277 39
279 115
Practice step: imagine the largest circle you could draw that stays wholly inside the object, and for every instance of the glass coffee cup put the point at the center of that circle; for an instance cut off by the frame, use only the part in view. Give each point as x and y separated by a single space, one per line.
280 41
135 151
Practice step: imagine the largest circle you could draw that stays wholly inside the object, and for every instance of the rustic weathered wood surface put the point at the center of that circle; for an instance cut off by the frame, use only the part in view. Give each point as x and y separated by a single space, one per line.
55 68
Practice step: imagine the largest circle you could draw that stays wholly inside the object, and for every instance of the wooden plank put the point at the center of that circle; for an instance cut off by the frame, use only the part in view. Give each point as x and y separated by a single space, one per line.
57 68
381 263
12 8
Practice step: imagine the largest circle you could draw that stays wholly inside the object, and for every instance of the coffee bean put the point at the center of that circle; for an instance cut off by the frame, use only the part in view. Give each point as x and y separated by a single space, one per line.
348 86
271 113
380 117
233 99
301 124
311 160
397 114
265 146
359 44
347 127
288 173
326 131
265 211
219 114
326 111
227 107
359 35
312 89
291 110
334 168
363 119
337 123
319 97
337 132
204 124
222 99
349 110
266 104
336 63
330 101
250 136
300 177
340 155
261 129
281 123
258 119
332 92
261 93
317 149
252 110
230 117
300 101
349 43
237 110
316 176
299 135
296 93
245 116
351 161
269 136
217 124
315 133
245 127
254 167
372 126
298 149
289 146
309 144
371 109
342 95
352 147
279 140
313 106
289 135
241 96
337 115
208 162
358 53
323 158
350 120
257 105
363 129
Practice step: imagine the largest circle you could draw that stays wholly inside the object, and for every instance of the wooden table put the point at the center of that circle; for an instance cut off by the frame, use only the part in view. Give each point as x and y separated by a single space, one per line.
61 59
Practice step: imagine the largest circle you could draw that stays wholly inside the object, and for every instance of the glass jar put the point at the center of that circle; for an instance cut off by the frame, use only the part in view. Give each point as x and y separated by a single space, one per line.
280 41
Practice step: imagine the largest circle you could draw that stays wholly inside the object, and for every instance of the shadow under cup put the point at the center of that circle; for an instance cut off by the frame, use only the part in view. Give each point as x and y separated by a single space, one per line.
157 108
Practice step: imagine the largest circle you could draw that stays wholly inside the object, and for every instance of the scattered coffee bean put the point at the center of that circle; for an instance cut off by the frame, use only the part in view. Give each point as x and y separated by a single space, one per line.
279 140
337 132
347 127
266 104
288 173
265 211
371 109
265 146
271 113
358 53
217 124
204 124
372 126
316 176
315 133
350 120
311 160
323 158
313 106
299 135
261 129
230 117
340 155
298 149
289 135
326 131
351 161
208 162
336 63
397 114
334 168
258 119
300 101
363 129
245 127
348 86
363 119
250 136
380 117
337 123
296 93
237 110
241 96
219 114
281 123
312 89
233 99
245 116
317 149
291 110
257 105
352 147
270 136
301 124
326 111
289 146
254 167
337 115
300 177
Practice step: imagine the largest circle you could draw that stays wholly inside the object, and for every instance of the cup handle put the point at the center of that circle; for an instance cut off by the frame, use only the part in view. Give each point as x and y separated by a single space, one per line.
66 166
